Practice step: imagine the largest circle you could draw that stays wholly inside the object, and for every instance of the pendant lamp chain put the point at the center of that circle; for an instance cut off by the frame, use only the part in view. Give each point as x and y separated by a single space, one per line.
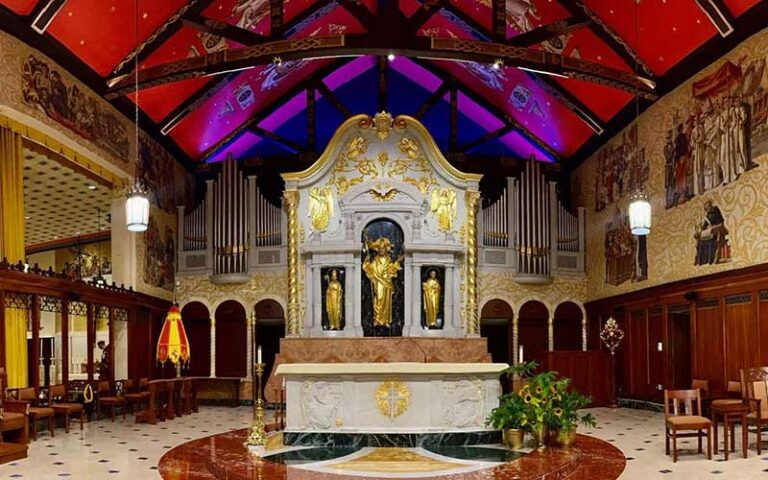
640 204
137 202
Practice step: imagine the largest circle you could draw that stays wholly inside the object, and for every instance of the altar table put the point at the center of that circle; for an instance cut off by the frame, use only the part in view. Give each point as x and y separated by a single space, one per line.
388 398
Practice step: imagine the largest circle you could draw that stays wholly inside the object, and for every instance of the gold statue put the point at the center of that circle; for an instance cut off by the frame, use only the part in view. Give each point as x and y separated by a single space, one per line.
431 296
333 297
380 271
320 207
443 204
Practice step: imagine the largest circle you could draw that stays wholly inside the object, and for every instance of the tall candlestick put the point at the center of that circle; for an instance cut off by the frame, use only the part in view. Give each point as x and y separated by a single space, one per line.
521 354
258 355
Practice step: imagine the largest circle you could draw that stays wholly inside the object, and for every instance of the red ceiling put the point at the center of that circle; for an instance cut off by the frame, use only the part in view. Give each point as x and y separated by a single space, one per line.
102 32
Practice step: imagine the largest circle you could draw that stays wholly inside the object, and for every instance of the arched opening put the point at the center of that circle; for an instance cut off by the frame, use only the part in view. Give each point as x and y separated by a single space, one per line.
567 327
496 326
532 330
231 340
270 328
382 238
197 323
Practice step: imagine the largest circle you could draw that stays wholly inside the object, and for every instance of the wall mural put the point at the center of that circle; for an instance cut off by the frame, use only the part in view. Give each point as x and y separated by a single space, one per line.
626 256
160 257
700 152
156 171
712 145
43 87
622 169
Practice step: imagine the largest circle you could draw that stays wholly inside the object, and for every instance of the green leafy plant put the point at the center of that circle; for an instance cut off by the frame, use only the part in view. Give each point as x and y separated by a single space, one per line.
510 413
565 413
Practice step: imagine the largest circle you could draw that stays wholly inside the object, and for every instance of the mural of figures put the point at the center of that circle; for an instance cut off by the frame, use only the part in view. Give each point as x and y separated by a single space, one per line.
626 255
156 172
160 256
711 236
622 169
45 88
713 146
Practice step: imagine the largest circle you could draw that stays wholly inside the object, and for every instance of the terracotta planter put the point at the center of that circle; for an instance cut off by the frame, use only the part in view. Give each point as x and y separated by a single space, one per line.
562 437
540 436
513 438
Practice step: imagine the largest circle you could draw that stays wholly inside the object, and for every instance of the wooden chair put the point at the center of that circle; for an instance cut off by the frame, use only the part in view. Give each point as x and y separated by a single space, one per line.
57 399
36 413
688 418
733 392
14 430
109 398
755 388
136 393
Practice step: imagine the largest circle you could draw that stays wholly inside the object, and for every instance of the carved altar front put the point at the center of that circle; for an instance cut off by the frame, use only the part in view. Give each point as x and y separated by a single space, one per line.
381 171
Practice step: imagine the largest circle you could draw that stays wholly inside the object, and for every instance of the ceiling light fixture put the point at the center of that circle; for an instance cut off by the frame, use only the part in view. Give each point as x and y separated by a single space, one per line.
91 187
391 57
498 64
137 199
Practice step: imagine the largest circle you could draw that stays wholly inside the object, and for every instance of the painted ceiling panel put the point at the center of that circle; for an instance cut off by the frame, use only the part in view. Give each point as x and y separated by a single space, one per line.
661 44
291 8
251 15
22 7
103 32
525 15
514 92
477 10
237 148
158 102
248 93
738 7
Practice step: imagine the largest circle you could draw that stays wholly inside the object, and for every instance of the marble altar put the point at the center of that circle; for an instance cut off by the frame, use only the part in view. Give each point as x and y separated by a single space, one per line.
345 401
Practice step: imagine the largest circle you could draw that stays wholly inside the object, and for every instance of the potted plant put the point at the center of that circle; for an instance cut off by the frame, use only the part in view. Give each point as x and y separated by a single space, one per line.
509 417
564 417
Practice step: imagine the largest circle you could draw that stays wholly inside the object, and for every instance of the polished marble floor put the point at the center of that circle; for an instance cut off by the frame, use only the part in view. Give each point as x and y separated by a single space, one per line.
106 450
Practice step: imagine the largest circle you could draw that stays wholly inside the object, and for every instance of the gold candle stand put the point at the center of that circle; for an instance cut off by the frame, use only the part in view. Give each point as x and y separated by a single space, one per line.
258 435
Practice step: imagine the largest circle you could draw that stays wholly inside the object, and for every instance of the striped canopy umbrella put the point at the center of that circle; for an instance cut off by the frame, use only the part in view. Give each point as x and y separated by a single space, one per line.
173 344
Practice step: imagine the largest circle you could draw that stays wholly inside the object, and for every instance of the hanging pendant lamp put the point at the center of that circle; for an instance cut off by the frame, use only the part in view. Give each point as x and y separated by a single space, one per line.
137 198
640 203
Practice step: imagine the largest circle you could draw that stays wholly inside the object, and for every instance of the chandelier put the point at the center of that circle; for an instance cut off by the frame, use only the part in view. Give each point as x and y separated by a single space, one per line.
611 335
640 214
137 199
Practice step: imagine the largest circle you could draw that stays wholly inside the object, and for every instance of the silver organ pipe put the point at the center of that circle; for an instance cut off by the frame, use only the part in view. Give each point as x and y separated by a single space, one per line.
194 229
532 221
567 230
495 223
230 205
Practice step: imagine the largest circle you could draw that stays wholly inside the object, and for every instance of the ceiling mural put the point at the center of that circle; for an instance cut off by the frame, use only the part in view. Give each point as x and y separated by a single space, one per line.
503 111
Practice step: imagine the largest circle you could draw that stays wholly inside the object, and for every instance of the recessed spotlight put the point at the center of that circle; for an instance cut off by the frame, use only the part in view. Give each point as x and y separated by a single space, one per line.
391 57
498 64
91 187
27 217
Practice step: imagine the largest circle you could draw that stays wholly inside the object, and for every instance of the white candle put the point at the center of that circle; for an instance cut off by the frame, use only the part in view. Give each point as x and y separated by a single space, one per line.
520 355
258 355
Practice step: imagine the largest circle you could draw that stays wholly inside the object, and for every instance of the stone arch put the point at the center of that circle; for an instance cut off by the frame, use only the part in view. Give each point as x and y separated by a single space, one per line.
496 325
231 339
567 326
197 322
533 331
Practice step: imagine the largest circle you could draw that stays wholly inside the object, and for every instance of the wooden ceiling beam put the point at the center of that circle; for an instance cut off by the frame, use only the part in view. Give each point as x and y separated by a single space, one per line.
436 96
159 36
361 13
571 102
425 12
366 44
44 12
577 8
499 20
276 24
487 137
192 102
222 29
548 32
383 87
262 132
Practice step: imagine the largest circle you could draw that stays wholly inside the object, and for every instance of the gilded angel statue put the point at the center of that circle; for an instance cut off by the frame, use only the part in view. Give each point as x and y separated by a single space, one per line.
320 207
442 203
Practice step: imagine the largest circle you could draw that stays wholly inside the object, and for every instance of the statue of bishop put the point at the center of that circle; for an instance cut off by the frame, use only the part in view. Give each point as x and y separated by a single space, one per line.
380 271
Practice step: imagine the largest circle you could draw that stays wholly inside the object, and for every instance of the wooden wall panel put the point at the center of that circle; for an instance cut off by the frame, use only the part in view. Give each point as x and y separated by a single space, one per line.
590 372
567 327
656 358
741 334
762 316
231 340
197 323
638 351
709 344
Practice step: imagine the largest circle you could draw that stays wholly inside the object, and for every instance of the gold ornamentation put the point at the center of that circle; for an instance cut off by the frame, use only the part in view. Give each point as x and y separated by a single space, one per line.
320 207
472 199
291 198
383 192
383 123
334 294
442 204
431 298
258 434
393 398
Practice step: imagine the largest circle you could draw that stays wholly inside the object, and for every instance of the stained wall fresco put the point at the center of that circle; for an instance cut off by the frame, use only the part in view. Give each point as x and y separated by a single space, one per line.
704 148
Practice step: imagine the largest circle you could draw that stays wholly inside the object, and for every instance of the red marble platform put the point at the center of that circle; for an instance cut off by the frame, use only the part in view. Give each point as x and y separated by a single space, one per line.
376 350
223 456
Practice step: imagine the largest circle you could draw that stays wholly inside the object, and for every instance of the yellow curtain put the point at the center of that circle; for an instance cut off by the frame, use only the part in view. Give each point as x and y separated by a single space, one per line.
12 247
